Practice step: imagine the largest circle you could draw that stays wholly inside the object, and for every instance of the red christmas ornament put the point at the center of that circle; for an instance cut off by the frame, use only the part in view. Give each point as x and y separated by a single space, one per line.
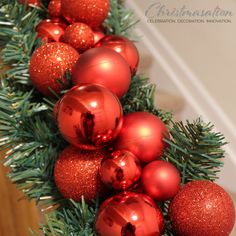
49 63
76 173
30 2
79 36
49 31
160 180
129 214
89 116
105 67
90 12
142 134
202 208
98 35
124 47
120 170
55 110
56 21
54 8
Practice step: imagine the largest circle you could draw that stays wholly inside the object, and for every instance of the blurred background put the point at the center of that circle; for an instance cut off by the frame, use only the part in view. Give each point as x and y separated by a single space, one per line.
193 65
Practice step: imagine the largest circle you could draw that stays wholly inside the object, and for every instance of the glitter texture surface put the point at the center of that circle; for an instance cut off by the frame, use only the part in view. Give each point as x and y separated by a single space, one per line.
54 8
80 36
91 12
49 63
202 208
76 173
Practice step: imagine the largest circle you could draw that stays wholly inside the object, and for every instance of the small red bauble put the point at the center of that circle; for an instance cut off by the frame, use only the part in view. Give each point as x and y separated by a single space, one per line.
98 35
89 116
120 170
105 67
79 36
160 180
129 214
142 134
90 12
76 173
202 208
49 63
56 21
54 8
124 47
49 31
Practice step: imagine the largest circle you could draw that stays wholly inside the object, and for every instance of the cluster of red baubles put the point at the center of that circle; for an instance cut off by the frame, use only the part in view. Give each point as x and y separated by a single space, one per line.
107 150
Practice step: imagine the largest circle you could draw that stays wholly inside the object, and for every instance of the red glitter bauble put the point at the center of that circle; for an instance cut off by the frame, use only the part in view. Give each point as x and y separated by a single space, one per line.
105 67
76 173
98 34
160 180
79 36
54 8
202 208
90 12
142 134
120 170
49 32
129 214
49 63
124 47
89 116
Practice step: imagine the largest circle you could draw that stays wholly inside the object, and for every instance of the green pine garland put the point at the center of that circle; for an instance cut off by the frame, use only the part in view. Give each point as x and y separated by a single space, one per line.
32 142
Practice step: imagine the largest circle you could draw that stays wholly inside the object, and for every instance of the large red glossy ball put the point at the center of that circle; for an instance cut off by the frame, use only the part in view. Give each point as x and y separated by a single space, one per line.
80 36
49 31
129 214
120 170
142 134
89 116
54 8
202 208
160 180
105 67
48 65
124 47
76 173
90 12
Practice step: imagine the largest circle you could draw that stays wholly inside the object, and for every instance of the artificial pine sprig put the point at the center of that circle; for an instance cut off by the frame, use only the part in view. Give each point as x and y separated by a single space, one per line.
31 139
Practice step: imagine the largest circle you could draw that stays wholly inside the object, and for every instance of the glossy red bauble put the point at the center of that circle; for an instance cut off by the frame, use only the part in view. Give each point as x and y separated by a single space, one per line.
202 208
79 36
142 134
89 116
90 12
49 31
129 214
98 34
48 65
76 173
160 180
120 170
105 67
124 47
54 8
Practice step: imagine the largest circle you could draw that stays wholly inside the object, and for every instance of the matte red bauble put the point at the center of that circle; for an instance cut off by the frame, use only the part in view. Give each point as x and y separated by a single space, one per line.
48 65
142 134
202 208
124 47
98 35
129 214
54 8
49 32
79 36
76 173
90 12
120 170
160 180
89 116
105 67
